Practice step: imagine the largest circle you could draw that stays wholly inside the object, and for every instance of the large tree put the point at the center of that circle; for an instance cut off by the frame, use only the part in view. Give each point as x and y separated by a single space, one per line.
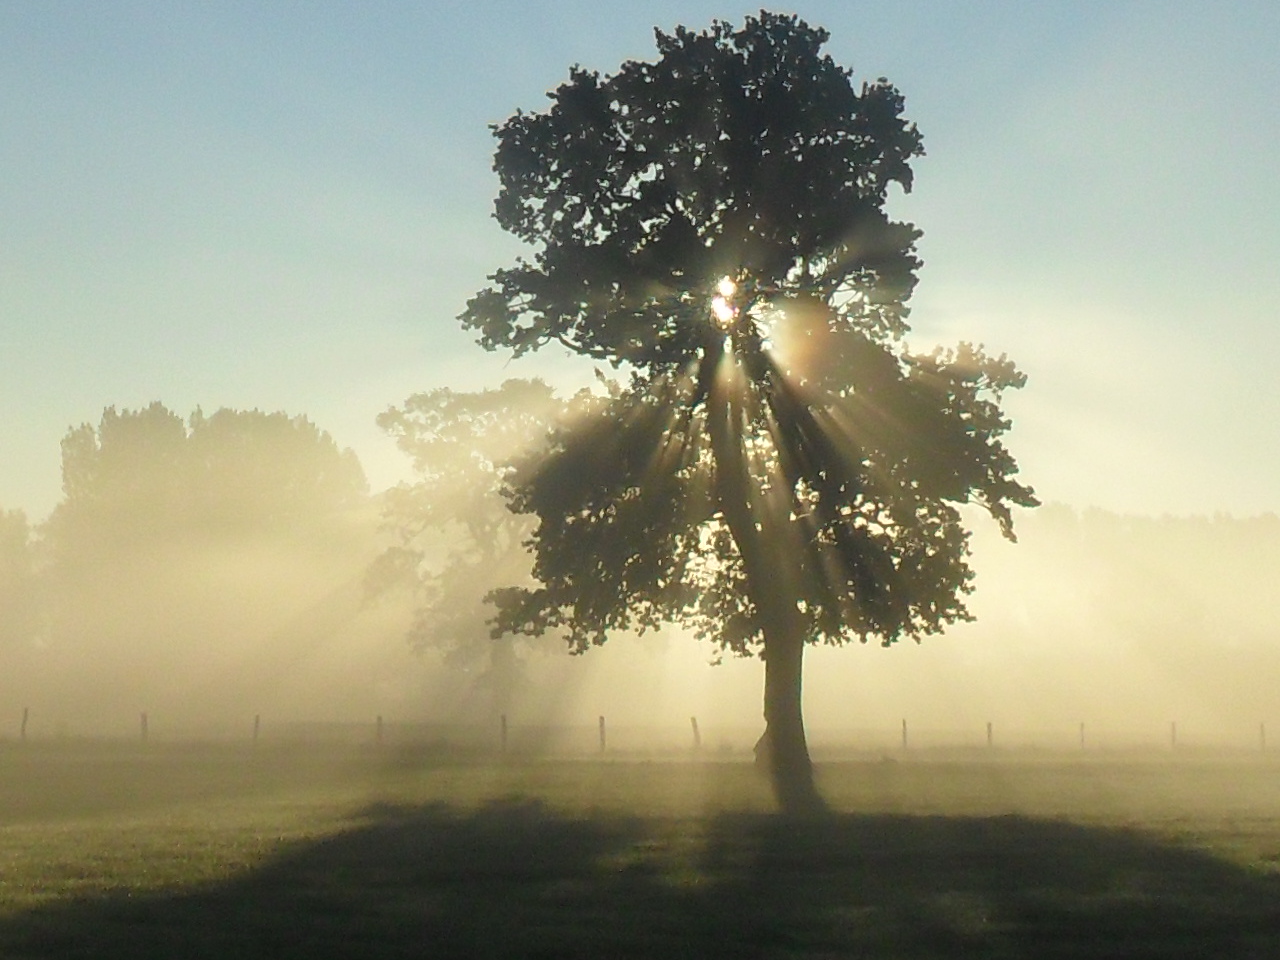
777 468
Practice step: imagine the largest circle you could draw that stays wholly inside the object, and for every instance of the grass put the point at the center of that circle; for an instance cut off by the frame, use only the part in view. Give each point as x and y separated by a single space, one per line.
113 851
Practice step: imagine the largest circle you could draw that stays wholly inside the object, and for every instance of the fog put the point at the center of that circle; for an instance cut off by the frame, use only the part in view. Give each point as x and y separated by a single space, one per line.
1125 624
215 570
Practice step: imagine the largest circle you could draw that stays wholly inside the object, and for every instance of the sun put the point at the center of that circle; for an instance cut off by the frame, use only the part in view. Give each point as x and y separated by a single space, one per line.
722 307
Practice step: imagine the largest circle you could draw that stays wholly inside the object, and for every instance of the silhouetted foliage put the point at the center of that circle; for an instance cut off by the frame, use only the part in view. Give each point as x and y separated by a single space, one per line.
777 468
456 539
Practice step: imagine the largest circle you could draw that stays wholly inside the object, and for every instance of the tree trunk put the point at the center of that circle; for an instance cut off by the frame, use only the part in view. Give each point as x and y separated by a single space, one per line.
762 539
783 751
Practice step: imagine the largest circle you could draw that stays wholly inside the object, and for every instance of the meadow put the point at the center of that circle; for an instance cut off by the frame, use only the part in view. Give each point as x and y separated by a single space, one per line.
296 850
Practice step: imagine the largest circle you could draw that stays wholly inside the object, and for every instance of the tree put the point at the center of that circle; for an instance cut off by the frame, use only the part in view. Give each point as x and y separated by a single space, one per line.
193 559
456 539
778 467
143 473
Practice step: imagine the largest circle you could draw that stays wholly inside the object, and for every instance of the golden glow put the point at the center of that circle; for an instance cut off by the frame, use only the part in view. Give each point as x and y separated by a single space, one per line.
721 307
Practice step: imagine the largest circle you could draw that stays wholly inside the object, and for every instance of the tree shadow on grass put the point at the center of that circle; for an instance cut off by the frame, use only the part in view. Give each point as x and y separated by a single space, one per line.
515 879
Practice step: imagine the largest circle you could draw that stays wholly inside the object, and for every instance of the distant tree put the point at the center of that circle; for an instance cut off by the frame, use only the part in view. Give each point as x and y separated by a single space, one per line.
778 468
185 543
148 473
126 479
456 540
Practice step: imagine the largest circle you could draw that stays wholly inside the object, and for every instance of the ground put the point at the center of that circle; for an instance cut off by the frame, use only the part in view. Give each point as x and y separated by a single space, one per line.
339 851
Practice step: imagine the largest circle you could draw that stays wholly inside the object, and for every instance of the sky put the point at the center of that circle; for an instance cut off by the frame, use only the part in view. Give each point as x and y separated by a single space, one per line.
285 206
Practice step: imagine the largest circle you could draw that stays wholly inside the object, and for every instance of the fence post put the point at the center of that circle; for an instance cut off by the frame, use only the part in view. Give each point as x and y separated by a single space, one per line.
1082 735
602 734
26 712
904 733
990 741
697 737
143 726
502 733
257 727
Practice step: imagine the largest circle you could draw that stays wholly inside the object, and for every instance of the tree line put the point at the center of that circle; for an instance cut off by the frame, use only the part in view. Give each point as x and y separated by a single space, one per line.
185 558
220 553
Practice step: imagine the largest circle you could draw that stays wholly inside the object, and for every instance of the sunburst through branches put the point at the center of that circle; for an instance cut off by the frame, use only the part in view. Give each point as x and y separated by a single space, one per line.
776 469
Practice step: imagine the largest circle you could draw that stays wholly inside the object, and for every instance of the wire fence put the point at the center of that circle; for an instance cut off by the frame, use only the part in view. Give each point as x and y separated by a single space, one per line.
708 740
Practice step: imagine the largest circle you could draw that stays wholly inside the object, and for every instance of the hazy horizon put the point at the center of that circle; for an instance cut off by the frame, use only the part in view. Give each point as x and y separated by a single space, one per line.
195 601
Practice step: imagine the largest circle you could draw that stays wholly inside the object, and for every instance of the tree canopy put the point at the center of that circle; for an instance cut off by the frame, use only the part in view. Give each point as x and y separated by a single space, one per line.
148 472
776 466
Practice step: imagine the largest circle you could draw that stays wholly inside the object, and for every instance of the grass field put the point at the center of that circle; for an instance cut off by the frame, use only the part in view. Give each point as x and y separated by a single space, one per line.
214 851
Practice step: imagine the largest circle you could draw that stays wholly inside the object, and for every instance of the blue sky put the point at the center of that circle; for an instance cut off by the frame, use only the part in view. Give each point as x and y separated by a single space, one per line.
286 205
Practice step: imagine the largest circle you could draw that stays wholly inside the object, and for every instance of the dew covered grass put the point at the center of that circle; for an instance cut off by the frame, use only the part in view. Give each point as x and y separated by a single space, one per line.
311 851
